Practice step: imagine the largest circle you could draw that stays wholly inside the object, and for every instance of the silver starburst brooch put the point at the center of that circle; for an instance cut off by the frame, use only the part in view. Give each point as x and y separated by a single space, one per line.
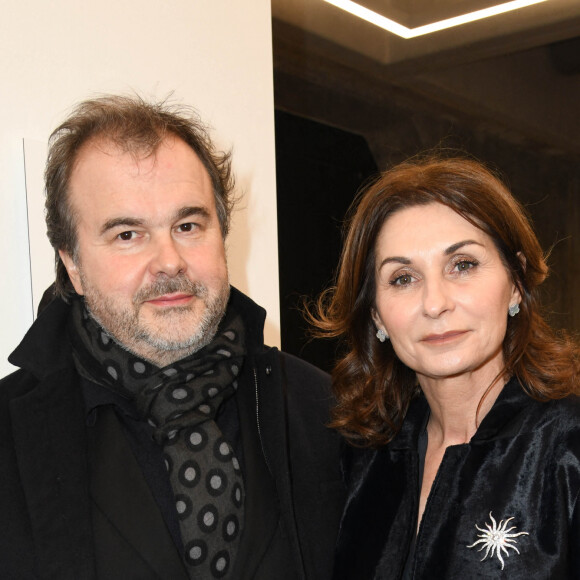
497 539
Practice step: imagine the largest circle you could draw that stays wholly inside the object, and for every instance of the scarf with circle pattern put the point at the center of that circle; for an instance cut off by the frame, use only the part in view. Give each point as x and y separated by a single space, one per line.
180 402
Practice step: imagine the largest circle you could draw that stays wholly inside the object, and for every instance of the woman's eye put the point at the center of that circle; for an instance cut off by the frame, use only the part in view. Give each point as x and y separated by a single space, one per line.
403 280
465 265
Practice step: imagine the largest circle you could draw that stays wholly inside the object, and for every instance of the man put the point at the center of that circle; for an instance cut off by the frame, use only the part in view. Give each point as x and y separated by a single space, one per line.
149 432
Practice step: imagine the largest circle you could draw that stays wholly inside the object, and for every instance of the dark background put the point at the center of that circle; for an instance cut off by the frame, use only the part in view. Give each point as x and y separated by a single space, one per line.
337 124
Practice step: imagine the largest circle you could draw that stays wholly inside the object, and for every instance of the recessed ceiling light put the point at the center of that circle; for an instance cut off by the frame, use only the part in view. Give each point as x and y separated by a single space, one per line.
404 32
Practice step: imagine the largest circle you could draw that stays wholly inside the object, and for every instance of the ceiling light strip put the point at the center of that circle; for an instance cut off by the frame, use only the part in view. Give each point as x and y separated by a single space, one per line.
400 30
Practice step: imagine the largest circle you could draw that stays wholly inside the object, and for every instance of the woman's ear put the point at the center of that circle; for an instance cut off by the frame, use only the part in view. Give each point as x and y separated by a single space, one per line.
377 320
516 297
382 333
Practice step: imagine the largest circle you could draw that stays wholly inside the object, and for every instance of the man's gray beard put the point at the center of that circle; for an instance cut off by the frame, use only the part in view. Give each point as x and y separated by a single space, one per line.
126 330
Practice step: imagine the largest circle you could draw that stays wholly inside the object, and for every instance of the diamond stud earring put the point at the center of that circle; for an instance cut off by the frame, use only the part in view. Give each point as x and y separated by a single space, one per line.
382 335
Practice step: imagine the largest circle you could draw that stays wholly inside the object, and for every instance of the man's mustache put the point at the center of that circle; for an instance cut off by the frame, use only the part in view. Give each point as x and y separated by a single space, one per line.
165 285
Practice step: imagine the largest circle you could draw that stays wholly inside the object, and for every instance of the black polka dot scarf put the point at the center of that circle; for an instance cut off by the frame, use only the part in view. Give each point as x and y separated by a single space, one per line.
180 402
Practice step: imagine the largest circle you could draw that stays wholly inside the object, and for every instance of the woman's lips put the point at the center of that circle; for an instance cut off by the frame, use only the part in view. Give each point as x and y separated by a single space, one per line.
444 337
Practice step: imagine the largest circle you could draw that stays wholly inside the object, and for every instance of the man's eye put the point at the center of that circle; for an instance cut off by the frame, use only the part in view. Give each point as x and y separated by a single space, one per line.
126 236
187 227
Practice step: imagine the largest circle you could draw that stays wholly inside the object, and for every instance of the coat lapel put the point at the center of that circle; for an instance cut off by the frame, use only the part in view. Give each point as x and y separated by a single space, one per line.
378 498
121 494
50 442
381 504
262 511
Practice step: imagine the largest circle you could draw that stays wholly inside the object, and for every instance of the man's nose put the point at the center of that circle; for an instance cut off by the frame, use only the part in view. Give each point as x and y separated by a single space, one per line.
166 257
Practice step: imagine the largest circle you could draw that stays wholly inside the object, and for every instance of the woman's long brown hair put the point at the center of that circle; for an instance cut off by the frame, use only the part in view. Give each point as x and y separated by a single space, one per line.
372 386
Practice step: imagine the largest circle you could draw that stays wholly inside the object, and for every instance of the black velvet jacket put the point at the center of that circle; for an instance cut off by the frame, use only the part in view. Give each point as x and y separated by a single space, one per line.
522 463
69 510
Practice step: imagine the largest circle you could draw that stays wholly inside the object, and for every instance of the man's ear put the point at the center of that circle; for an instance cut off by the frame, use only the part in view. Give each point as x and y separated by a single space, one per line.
73 271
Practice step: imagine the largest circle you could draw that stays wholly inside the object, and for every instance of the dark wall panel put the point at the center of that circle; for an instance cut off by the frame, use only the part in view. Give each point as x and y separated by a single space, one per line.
319 169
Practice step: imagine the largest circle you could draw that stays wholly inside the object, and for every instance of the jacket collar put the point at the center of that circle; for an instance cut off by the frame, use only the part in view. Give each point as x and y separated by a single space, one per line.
504 419
508 414
254 317
45 348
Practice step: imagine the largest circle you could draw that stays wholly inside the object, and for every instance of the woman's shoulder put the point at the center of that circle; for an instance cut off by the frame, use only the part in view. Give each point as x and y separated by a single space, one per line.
516 415
557 421
355 462
565 412
561 414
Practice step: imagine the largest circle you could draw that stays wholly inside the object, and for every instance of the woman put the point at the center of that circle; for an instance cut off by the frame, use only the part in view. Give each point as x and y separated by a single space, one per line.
462 398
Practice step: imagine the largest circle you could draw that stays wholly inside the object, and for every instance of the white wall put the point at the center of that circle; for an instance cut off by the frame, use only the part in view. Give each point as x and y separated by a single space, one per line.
214 55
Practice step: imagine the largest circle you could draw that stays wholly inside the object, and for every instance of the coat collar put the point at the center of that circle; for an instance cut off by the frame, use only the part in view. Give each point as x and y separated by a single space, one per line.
45 348
254 317
507 415
504 419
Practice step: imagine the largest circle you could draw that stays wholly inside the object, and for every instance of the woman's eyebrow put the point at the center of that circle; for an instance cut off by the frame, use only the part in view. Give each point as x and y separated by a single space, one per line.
452 249
395 259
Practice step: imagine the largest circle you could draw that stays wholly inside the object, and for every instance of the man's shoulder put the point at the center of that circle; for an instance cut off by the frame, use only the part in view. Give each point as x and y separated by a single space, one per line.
16 384
305 381
12 387
308 390
299 368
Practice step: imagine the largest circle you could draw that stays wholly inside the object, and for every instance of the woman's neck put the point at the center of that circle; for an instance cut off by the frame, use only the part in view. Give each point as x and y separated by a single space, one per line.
458 405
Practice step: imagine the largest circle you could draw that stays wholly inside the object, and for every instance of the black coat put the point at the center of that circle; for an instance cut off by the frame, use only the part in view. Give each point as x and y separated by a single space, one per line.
52 508
523 462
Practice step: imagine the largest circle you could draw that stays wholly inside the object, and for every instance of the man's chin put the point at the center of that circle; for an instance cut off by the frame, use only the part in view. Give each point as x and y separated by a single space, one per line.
158 342
164 341
162 351
179 310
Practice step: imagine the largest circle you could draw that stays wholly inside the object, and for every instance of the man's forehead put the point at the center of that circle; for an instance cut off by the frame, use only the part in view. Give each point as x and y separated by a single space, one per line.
106 173
138 157
116 148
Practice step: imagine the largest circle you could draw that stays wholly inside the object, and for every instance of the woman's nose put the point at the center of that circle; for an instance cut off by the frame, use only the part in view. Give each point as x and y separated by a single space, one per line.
437 298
